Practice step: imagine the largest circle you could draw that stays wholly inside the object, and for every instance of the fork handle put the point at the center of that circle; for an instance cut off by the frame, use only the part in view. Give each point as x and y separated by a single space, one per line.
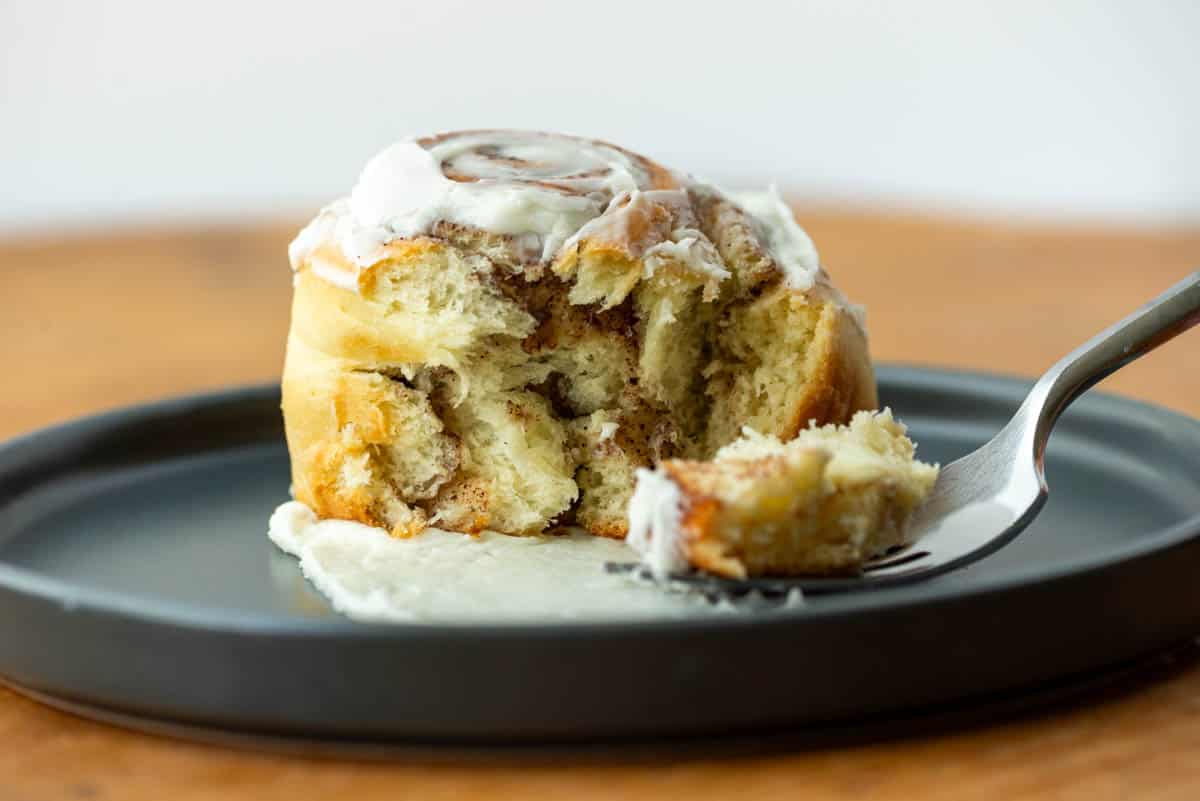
1162 319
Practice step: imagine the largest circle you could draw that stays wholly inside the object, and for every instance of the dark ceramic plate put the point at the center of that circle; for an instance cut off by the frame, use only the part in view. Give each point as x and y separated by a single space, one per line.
136 577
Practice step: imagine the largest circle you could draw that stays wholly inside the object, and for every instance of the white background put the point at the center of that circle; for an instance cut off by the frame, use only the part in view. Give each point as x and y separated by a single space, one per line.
136 110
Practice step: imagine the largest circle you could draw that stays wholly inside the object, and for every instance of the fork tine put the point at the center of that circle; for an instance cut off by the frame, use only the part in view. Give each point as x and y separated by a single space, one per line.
904 555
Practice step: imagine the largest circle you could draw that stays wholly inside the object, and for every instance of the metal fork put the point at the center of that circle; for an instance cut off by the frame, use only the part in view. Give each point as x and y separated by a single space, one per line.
983 500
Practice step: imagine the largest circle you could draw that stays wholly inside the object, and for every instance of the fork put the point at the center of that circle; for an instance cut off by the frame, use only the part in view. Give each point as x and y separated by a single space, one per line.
983 500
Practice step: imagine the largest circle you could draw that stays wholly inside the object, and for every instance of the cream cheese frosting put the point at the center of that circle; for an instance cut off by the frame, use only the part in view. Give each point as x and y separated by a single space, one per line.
518 183
443 577
788 243
690 248
546 192
655 512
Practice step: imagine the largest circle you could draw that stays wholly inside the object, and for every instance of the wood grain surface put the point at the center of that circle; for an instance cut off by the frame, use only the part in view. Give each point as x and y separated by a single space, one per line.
90 322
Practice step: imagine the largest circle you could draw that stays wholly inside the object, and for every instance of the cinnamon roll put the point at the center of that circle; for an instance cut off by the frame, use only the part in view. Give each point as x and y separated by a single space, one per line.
497 329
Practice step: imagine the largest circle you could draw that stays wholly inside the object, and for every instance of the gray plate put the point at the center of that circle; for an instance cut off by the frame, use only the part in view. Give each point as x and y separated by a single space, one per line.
135 576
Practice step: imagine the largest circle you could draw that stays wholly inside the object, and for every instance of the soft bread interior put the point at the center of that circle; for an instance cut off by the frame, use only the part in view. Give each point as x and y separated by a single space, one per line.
459 388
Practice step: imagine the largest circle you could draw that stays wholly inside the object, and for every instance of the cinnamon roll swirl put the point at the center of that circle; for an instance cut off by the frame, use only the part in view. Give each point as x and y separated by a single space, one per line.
496 329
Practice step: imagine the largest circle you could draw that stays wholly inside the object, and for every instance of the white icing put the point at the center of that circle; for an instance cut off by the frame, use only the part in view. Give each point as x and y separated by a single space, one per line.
403 192
444 577
524 184
608 430
655 513
322 228
615 223
690 248
788 243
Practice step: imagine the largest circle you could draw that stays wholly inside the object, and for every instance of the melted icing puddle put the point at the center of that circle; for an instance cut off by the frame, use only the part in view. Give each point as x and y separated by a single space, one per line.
444 577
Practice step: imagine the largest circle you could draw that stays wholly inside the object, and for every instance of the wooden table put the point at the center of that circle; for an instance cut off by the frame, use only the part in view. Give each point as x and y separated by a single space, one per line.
93 322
